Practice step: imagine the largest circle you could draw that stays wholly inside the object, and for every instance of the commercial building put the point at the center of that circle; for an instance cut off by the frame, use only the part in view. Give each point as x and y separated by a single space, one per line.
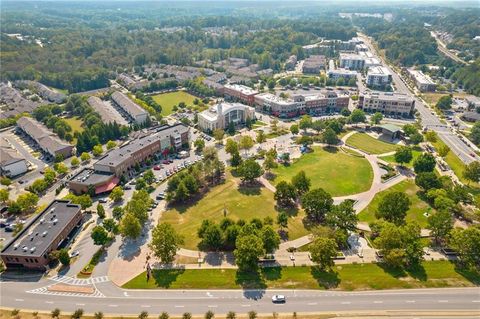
345 74
471 116
89 180
298 104
423 82
387 103
107 112
131 109
361 47
48 141
221 115
314 64
352 61
45 233
11 162
240 93
378 76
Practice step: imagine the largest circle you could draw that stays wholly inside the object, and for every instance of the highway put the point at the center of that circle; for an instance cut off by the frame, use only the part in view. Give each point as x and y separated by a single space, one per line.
114 300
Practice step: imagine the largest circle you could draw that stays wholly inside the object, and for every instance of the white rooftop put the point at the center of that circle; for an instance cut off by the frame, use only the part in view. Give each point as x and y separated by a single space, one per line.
241 88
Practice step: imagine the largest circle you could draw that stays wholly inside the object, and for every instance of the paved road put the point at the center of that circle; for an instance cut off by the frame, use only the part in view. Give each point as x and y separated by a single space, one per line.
443 49
113 300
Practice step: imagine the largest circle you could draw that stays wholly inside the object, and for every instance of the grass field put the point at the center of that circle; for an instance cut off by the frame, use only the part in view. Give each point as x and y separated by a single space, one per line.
240 202
416 152
345 277
368 144
334 171
75 123
417 208
168 100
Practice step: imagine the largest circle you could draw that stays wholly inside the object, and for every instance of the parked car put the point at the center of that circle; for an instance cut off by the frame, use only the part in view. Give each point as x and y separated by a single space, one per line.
102 200
74 253
156 168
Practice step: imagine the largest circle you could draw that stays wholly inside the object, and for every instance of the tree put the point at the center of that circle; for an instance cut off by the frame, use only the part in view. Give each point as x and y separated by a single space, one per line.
389 241
165 242
5 181
443 150
148 176
424 163
164 315
218 135
4 194
236 159
231 147
130 226
97 150
393 207
466 242
261 137
285 194
110 225
416 138
318 126
294 129
376 118
472 172
64 257
100 211
269 162
111 144
305 123
143 315
342 216
249 248
55 313
99 235
232 314
431 136
250 170
317 203
345 112
85 156
403 155
199 145
330 137
409 129
358 116
475 133
427 181
440 225
27 201
323 250
412 244
445 102
252 314
60 168
212 237
282 219
271 240
246 143
75 161
301 183
116 194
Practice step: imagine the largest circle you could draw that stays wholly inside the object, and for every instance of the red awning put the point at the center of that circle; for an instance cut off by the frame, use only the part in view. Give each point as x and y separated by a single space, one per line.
107 187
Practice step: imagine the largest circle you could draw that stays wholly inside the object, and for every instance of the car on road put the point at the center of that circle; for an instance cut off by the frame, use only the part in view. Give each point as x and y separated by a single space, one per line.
156 168
279 299
74 253
127 188
160 196
102 200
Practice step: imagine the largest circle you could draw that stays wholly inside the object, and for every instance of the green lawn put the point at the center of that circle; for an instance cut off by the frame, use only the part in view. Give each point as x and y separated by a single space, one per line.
345 277
168 100
76 124
240 202
417 208
371 145
416 152
335 171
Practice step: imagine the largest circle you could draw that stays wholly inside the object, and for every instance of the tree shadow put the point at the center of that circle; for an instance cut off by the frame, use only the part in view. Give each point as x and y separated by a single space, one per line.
471 275
253 190
396 272
291 211
252 282
330 149
272 273
325 279
417 271
165 277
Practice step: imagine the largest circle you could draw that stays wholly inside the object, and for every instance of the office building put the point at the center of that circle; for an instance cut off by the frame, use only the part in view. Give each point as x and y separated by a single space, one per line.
48 141
47 232
387 103
378 76
423 82
221 115
240 93
130 109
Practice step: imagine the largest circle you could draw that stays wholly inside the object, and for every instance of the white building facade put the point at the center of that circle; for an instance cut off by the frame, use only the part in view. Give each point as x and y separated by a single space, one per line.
222 114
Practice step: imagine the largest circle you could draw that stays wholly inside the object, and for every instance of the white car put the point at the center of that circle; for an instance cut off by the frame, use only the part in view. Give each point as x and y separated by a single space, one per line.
74 253
279 299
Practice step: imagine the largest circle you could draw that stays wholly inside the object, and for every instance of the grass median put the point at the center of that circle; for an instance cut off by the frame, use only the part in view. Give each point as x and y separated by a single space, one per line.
431 274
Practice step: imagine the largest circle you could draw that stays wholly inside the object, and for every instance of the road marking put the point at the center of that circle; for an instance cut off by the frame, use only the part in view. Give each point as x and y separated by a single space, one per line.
212 306
19 300
49 302
179 306
312 303
378 301
125 294
245 305
443 301
80 304
113 305
410 301
475 300
145 306
345 302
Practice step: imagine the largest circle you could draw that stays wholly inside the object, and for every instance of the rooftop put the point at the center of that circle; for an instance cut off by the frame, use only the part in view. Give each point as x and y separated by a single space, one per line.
128 105
88 176
389 96
390 127
107 112
37 236
350 56
241 88
378 71
420 77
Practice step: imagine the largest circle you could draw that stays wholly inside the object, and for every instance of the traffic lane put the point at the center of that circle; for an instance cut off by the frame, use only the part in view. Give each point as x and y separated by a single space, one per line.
177 302
459 147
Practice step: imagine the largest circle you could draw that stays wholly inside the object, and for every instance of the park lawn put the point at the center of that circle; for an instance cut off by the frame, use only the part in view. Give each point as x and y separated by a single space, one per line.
168 100
240 202
344 277
76 124
371 145
331 169
416 152
417 208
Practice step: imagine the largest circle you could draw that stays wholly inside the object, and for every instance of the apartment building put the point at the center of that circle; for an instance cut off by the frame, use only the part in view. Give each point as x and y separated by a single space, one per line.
378 76
107 112
341 73
423 82
291 62
387 103
351 61
12 163
222 114
241 93
47 231
314 64
130 109
48 141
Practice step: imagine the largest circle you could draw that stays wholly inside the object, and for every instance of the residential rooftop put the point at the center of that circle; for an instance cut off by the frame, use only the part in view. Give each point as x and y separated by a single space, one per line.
241 88
128 105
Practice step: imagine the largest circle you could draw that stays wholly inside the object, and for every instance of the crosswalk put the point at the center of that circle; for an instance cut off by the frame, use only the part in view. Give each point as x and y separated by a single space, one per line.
45 291
79 282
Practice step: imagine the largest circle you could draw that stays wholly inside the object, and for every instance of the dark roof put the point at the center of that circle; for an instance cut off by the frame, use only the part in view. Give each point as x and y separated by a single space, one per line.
471 116
127 105
42 135
390 127
88 176
43 230
106 111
